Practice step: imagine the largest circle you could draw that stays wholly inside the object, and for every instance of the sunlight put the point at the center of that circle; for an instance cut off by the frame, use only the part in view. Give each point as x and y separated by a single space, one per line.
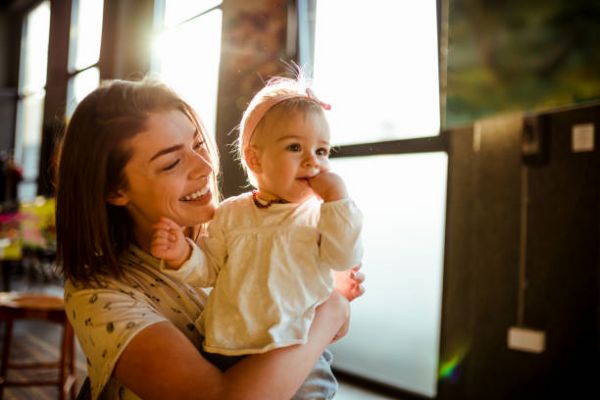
80 86
403 237
34 49
193 71
86 33
377 64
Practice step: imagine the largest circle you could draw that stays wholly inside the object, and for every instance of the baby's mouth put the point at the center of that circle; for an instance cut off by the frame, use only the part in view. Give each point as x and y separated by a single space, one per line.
196 195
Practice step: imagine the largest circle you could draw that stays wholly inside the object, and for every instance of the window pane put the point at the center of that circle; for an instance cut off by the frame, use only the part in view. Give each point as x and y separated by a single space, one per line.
80 86
376 62
193 74
177 11
394 336
86 33
34 49
30 114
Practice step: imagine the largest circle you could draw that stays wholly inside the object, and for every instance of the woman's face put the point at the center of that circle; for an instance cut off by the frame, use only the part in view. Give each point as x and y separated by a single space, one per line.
168 174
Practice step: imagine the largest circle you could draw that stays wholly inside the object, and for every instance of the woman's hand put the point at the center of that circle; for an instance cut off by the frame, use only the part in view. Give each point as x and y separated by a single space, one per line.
349 283
169 244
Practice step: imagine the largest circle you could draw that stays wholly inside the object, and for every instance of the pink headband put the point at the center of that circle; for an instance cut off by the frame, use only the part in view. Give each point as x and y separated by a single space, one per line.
256 115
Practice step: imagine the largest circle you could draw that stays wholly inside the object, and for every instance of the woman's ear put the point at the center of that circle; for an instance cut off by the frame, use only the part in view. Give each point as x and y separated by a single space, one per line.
252 156
117 198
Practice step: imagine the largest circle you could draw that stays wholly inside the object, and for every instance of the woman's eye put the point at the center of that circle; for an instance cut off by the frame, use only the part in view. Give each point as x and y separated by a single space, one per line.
171 166
323 152
198 145
294 147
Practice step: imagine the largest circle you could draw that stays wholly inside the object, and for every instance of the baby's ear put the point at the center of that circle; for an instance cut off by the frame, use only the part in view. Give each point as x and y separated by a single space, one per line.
252 157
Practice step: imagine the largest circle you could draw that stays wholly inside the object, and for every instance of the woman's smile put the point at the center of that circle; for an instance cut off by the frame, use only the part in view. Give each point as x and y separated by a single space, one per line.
202 195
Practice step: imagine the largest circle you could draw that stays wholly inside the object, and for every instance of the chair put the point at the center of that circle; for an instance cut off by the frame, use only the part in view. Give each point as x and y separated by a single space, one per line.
18 306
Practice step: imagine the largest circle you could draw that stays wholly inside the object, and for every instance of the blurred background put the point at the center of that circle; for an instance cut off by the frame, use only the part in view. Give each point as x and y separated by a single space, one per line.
465 129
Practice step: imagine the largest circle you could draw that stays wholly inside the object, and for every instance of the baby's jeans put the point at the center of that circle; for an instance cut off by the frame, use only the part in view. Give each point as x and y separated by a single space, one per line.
320 384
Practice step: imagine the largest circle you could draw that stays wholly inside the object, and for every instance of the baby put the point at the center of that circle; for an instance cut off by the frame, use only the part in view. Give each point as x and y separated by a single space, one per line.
269 253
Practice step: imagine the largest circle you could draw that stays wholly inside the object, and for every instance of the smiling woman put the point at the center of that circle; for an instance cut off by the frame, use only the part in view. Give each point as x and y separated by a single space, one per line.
134 152
167 178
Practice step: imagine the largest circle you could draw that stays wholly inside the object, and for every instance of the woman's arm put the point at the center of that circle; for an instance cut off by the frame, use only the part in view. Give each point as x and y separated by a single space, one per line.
160 362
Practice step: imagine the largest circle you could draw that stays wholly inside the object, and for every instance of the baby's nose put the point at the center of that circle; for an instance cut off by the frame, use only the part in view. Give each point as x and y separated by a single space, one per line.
310 160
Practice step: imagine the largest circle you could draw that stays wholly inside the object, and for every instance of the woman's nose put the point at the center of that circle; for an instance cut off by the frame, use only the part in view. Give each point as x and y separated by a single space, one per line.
201 166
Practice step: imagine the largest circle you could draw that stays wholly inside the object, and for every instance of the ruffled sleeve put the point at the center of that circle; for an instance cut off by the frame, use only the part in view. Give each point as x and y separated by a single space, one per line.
196 271
340 226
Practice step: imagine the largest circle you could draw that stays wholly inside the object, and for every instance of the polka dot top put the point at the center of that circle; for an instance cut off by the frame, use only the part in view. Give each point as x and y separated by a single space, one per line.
107 316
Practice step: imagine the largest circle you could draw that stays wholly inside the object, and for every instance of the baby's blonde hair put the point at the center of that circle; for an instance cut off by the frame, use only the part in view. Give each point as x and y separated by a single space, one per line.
278 91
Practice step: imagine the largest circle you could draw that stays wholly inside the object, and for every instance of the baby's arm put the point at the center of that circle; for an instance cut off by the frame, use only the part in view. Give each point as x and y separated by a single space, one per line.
182 257
340 223
169 244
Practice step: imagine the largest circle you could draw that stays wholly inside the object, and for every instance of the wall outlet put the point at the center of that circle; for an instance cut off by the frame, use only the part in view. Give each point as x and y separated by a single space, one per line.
582 138
528 340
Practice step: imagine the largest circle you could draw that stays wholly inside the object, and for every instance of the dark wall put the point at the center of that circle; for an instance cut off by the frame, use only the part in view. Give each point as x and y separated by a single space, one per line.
481 282
253 47
9 39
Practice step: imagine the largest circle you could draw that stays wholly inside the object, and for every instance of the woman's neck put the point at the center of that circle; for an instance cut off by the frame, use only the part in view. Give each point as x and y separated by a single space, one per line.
142 238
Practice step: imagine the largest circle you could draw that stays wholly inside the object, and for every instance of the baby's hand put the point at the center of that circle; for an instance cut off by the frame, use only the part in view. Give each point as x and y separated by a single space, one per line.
328 186
169 244
350 283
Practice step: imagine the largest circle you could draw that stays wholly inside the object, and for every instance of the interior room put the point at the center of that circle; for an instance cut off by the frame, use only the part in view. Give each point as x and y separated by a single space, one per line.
465 131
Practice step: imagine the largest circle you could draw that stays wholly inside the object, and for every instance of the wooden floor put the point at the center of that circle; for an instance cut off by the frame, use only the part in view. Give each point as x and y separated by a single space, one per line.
38 341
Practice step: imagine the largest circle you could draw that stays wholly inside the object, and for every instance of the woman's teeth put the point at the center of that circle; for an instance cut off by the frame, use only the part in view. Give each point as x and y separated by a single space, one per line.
196 195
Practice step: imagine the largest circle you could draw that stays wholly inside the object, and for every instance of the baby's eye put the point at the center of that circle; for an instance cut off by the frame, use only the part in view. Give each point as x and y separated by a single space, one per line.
294 147
323 151
171 166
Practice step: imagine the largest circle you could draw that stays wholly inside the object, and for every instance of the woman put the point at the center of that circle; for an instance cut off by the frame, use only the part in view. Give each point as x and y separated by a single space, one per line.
133 152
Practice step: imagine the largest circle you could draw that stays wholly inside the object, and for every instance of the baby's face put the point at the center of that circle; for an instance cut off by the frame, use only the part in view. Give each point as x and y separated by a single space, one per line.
291 147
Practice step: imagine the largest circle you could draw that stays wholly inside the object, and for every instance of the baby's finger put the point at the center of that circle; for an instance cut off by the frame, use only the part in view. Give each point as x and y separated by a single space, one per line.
158 250
161 226
359 277
170 223
161 234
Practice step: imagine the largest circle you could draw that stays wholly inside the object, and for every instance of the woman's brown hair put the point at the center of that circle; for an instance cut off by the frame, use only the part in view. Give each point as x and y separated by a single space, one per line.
91 233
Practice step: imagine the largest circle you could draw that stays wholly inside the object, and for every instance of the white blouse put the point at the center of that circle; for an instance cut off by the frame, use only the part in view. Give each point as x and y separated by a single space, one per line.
270 268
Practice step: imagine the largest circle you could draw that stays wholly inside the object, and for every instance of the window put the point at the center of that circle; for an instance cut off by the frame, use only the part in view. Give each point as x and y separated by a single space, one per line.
380 65
187 50
30 107
84 50
376 63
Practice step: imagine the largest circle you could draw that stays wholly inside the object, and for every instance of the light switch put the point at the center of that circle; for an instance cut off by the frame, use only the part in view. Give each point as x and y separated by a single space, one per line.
582 138
529 340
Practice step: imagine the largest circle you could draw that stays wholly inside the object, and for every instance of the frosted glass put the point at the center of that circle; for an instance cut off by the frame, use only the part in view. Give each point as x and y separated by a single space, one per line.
86 33
30 114
193 74
80 86
34 49
395 326
376 63
177 11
